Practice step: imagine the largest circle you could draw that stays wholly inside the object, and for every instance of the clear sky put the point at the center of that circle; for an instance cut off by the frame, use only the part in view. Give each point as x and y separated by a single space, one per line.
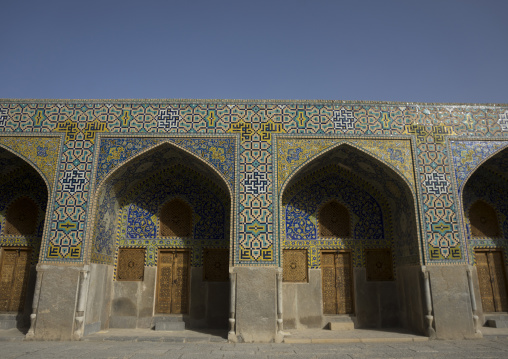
424 51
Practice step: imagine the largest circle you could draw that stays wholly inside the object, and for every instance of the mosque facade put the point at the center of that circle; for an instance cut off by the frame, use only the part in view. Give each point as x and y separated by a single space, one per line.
256 217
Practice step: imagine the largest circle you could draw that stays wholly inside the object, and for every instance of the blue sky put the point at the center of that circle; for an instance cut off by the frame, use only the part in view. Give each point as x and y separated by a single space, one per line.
414 51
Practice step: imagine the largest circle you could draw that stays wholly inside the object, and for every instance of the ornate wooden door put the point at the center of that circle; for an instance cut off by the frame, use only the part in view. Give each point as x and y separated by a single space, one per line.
173 282
337 283
14 273
492 279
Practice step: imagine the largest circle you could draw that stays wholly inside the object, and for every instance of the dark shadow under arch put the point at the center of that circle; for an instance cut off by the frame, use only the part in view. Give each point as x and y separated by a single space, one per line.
485 217
24 196
363 182
138 206
485 191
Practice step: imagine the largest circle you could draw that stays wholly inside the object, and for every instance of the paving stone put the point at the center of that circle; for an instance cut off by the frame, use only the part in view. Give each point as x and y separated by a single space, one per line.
197 340
200 356
173 340
293 356
241 347
139 350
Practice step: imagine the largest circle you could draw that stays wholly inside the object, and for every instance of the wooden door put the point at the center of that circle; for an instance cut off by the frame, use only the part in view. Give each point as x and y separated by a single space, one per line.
492 280
14 273
173 282
337 283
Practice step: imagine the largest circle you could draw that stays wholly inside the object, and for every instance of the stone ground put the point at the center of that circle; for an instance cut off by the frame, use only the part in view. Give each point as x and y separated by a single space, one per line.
482 348
137 344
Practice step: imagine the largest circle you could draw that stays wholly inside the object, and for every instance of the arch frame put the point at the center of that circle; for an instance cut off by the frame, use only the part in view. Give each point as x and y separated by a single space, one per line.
50 195
480 163
458 191
96 188
345 140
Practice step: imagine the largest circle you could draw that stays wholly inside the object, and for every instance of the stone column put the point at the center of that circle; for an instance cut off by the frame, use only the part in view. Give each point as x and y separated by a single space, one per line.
256 304
57 300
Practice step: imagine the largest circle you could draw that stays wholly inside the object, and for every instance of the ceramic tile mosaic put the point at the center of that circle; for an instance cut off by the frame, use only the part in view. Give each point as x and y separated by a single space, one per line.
78 144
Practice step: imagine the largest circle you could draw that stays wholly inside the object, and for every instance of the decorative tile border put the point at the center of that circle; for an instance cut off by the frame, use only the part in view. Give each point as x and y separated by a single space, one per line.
80 124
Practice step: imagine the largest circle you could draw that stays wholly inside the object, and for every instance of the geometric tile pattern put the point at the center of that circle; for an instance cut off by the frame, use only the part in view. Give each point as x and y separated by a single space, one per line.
369 214
154 177
139 222
469 155
302 209
385 180
3 116
256 125
439 213
503 121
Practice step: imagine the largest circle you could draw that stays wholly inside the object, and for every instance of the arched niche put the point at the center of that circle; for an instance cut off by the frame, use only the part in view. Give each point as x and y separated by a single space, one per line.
382 236
136 214
485 210
484 195
23 204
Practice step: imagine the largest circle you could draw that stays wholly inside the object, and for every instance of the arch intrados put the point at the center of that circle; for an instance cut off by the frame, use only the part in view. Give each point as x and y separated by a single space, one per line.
48 191
129 195
311 160
158 147
31 164
466 181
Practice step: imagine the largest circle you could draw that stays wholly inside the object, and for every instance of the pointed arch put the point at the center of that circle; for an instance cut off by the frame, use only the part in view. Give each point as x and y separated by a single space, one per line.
24 194
344 143
171 207
97 186
384 237
480 163
483 202
395 186
126 176
47 194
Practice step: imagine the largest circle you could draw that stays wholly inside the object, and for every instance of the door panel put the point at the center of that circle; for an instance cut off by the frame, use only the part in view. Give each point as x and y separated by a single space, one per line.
337 283
180 288
492 280
14 273
172 282
497 271
329 288
344 285
482 267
